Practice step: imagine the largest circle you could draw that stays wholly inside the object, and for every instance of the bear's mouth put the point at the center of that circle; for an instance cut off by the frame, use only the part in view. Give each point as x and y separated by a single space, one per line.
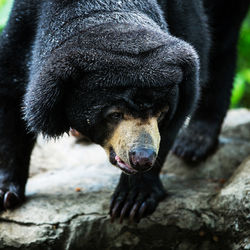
118 162
124 166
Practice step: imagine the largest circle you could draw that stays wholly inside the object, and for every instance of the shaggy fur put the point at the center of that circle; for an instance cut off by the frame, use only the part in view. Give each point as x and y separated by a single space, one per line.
63 63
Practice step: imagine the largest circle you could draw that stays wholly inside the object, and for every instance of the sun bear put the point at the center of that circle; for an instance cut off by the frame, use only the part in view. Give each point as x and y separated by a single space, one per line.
125 74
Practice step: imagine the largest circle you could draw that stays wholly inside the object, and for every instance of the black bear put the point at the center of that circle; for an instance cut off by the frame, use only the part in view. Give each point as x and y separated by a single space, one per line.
124 73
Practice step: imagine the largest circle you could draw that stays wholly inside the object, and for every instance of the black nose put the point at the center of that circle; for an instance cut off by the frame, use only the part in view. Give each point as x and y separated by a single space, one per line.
142 159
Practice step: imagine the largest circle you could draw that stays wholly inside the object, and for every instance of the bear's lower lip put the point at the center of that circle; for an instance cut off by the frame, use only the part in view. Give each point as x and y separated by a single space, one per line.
124 167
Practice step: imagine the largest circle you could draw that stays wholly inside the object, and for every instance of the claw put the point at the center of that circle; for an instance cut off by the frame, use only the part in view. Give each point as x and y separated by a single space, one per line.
133 212
142 210
112 202
10 200
114 210
124 211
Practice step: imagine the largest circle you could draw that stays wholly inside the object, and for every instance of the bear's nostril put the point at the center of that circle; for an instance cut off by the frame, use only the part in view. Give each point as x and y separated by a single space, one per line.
142 159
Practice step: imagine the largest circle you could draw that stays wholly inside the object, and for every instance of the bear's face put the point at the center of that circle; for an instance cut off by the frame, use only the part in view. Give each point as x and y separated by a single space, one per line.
125 122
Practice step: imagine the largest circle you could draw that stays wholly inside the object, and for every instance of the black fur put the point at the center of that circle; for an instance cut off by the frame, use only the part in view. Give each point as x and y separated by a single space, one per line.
62 63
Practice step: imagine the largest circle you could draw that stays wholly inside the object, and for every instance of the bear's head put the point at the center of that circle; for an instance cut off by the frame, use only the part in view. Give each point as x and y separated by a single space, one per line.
126 122
122 86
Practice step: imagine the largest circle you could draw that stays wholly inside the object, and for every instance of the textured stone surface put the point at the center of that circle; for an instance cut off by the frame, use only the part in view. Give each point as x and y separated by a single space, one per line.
208 205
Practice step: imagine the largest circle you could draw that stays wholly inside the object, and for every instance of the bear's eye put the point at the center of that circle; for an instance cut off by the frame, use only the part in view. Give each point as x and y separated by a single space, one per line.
115 116
163 113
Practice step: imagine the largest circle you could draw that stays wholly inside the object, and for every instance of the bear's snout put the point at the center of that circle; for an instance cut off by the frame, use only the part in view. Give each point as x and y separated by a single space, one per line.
142 159
134 144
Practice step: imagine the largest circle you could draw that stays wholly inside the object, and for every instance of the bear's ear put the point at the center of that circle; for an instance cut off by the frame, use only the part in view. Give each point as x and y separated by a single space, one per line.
189 88
44 107
185 56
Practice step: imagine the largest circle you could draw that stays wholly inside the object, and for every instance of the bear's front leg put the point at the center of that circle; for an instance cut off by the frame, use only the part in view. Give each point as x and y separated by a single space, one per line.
136 196
15 149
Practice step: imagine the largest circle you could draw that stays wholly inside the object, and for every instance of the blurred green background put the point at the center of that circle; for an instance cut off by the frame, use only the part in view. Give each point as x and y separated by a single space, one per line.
241 92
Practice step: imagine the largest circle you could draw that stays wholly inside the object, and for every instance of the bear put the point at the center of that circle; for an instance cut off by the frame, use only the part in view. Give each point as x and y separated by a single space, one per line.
126 74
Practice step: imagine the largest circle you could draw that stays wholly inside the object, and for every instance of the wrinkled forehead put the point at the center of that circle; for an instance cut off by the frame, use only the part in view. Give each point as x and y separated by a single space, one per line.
133 98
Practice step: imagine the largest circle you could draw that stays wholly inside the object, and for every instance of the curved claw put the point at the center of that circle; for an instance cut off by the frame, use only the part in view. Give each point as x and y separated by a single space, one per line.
124 211
112 203
10 200
133 212
142 210
114 211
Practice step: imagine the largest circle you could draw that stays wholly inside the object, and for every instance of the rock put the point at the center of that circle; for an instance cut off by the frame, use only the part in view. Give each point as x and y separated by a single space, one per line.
208 205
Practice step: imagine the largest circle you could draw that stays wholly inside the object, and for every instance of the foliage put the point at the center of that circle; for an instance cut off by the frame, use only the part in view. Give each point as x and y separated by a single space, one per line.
241 91
5 6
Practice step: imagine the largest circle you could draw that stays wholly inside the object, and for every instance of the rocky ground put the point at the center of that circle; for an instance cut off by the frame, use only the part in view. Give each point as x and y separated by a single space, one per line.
208 205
